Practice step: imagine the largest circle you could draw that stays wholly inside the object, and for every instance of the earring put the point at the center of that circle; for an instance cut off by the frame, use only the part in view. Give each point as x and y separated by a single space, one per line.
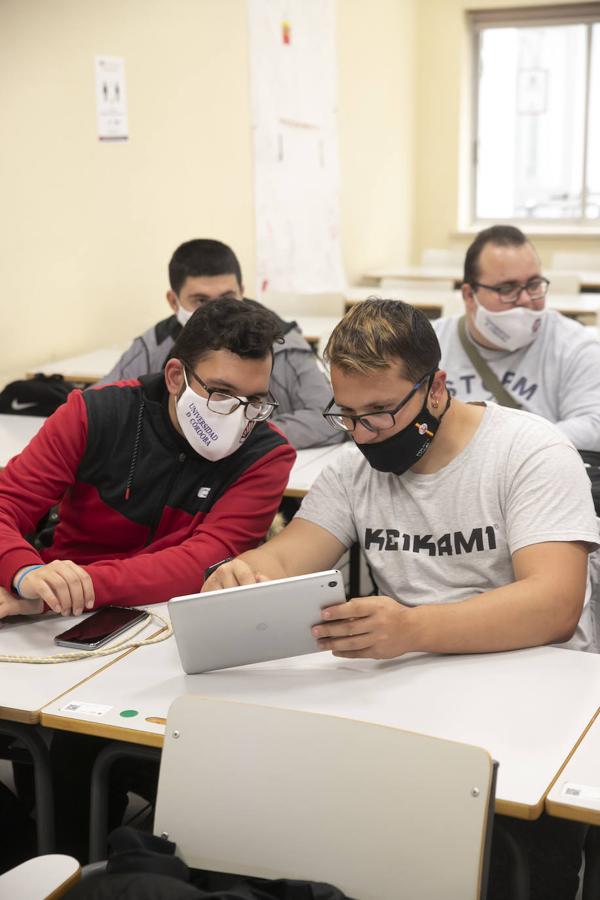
435 403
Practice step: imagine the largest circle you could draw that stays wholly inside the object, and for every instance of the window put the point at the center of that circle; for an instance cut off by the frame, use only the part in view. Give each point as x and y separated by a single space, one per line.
537 114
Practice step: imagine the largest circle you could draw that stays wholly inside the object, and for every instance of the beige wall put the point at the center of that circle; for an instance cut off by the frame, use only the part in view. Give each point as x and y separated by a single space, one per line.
377 86
87 228
442 118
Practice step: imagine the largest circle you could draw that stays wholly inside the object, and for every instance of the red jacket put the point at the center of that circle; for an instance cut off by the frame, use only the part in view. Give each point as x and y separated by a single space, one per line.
182 512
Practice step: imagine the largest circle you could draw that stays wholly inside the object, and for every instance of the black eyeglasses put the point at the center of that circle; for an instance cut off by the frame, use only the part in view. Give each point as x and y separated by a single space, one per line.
375 422
510 291
224 404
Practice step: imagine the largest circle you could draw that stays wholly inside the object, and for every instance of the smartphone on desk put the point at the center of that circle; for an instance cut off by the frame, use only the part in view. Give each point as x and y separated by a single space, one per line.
100 627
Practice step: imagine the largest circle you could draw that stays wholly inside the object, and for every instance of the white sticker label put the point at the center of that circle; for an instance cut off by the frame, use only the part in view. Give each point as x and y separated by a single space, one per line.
581 791
86 709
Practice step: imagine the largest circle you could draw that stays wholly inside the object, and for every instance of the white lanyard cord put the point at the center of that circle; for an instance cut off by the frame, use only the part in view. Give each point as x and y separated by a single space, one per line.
126 644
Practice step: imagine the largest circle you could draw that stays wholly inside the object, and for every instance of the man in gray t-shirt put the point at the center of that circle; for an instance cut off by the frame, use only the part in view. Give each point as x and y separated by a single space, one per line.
477 521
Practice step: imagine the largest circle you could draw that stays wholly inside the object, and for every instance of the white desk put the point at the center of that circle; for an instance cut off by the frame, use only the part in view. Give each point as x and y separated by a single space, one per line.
316 329
433 301
417 273
446 303
589 278
15 434
528 708
26 687
576 792
85 368
308 466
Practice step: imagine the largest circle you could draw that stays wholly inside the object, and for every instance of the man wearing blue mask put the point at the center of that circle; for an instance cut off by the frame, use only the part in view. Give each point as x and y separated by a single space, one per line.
474 543
510 348
157 478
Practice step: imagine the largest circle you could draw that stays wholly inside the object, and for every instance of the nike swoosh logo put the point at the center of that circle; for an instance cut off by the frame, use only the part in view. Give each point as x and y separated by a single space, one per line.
18 406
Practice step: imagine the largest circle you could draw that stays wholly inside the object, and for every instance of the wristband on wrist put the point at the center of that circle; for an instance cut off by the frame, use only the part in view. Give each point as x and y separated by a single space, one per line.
208 572
25 572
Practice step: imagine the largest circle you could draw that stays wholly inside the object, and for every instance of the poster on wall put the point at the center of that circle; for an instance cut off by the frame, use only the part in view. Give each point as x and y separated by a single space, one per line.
111 98
294 117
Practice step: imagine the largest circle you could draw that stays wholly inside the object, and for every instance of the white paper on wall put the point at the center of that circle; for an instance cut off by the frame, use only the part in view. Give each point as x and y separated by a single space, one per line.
292 55
111 98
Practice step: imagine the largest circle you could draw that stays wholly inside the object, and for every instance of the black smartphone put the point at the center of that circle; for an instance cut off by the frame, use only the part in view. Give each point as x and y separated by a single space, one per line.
100 627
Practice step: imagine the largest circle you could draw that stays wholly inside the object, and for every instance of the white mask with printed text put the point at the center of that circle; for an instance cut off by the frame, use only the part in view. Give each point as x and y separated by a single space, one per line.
510 329
211 435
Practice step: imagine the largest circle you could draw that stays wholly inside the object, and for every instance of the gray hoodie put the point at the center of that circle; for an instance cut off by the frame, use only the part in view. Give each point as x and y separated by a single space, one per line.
298 383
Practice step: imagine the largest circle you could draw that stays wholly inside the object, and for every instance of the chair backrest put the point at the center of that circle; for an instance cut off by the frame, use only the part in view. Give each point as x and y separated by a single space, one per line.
291 305
378 812
576 260
435 257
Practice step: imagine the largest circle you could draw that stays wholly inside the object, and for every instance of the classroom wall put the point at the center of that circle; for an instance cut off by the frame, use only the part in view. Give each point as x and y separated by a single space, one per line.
442 119
377 92
87 227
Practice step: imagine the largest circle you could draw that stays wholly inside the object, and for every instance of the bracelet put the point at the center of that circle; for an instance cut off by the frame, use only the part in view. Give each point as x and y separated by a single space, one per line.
208 572
23 574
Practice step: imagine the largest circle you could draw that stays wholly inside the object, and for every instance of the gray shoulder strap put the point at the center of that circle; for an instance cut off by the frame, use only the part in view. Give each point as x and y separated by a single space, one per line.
489 378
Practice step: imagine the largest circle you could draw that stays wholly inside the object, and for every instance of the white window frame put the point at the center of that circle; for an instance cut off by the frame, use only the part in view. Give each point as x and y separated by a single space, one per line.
530 16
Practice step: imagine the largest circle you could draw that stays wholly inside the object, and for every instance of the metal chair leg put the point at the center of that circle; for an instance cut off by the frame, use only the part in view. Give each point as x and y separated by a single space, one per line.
30 736
99 796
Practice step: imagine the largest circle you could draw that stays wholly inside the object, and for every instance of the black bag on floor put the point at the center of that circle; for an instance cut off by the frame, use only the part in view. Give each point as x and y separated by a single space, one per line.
37 396
144 867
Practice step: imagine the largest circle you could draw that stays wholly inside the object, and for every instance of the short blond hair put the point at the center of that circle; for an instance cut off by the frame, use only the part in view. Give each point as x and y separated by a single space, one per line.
375 333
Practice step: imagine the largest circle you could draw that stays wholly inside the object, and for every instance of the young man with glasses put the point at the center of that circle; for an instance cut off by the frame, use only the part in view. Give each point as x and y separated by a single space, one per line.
548 364
157 478
474 543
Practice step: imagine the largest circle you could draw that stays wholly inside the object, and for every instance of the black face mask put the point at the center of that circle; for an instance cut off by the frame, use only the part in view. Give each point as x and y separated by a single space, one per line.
403 449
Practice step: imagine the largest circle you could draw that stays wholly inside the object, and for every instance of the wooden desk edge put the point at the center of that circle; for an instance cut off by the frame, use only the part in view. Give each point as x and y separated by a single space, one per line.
520 810
295 492
97 729
574 813
564 810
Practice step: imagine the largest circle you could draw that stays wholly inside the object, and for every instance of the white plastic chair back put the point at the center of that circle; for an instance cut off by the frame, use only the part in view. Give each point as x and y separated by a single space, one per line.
435 257
379 812
576 261
40 877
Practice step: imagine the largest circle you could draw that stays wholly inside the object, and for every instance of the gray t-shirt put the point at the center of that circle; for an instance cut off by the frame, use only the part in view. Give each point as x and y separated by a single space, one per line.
557 376
443 537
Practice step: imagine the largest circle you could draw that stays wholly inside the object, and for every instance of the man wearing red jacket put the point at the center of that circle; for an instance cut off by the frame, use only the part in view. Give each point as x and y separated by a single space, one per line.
157 478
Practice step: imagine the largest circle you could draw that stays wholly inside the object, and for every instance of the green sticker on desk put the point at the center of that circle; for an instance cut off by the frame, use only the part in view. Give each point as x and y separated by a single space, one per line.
128 713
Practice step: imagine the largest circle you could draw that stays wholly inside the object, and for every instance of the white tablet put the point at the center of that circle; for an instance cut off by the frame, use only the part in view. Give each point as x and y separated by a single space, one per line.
241 625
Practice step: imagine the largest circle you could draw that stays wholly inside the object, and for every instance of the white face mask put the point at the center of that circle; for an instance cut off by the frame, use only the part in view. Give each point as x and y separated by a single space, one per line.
211 435
183 315
510 329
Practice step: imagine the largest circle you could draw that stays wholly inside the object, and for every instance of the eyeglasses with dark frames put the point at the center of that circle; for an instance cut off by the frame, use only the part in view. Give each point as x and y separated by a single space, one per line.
375 422
224 404
510 291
